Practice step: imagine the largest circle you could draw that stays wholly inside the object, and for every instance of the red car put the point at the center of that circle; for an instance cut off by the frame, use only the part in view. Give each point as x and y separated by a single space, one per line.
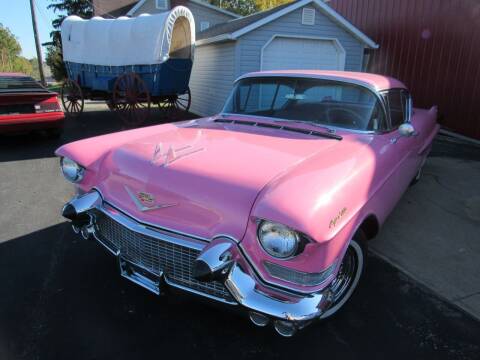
25 105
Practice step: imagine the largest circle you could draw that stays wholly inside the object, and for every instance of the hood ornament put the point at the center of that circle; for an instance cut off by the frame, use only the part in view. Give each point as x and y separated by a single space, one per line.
145 201
171 154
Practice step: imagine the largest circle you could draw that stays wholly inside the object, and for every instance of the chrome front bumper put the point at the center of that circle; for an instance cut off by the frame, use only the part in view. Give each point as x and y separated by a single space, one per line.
232 279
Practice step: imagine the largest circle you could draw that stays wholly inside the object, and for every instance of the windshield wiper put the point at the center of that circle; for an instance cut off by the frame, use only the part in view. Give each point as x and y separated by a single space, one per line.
330 132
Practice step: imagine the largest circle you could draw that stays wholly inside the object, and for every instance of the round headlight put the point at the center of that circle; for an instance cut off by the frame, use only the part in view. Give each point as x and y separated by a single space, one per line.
71 170
278 240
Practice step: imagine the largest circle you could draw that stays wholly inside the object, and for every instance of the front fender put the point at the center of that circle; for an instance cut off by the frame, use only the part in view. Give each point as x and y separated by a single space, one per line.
324 198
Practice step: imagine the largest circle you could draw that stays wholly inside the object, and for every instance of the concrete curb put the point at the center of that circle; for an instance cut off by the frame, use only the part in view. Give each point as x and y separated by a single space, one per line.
424 285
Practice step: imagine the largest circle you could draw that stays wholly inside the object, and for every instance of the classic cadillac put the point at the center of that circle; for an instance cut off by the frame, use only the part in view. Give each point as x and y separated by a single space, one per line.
267 206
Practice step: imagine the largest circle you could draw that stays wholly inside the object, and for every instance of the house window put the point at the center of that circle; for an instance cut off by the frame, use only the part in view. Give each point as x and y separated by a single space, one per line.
308 16
161 4
204 25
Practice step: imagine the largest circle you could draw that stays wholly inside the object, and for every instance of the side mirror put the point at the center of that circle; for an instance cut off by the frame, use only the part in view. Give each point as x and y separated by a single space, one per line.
406 129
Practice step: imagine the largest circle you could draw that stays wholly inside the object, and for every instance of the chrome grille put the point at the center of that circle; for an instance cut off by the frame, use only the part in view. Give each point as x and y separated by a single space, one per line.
157 256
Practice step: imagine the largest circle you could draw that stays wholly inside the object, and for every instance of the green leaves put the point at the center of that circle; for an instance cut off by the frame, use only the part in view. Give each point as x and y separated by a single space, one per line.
10 49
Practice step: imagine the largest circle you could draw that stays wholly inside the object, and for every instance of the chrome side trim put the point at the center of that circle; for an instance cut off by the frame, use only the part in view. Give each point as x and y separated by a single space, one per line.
143 222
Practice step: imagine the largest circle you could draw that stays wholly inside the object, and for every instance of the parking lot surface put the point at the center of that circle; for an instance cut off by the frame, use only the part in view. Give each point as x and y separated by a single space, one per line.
62 297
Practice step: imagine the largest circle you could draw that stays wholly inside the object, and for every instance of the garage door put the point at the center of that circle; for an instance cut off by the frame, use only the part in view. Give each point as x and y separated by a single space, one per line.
295 53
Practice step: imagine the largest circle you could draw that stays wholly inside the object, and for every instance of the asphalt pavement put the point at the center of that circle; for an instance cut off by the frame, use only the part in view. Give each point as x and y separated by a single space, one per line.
62 297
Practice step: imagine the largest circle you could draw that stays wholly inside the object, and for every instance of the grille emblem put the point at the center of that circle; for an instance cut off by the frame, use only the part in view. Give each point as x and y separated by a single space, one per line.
145 201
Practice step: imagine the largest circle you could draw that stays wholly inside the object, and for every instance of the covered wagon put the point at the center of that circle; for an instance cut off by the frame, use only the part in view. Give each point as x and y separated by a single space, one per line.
129 62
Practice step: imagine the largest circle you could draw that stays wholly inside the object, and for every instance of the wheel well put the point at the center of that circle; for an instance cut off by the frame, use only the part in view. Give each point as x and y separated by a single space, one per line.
370 226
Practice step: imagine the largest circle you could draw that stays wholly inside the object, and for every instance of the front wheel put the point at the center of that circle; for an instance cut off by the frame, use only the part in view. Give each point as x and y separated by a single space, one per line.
351 270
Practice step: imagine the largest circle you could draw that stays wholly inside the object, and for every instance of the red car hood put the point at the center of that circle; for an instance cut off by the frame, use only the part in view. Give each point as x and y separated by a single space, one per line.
200 181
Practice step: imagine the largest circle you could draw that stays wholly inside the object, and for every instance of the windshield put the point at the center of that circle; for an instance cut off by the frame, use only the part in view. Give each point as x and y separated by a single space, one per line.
19 83
318 101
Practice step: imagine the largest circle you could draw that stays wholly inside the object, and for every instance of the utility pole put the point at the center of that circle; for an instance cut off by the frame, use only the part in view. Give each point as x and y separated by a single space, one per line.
37 43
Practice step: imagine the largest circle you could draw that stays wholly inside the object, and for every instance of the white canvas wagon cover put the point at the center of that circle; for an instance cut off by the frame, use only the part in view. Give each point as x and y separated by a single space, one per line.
143 40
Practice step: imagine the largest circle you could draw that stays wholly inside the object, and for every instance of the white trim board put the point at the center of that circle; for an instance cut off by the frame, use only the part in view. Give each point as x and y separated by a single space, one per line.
139 4
327 10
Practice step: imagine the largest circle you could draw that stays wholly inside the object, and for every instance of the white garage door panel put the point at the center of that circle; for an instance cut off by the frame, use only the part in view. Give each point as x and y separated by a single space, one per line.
295 53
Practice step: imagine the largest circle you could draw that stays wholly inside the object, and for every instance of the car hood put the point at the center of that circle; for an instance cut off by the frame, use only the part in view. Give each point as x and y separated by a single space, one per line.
201 180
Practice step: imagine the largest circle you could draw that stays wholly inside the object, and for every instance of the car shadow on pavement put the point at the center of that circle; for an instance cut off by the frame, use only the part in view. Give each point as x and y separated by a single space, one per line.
63 298
89 124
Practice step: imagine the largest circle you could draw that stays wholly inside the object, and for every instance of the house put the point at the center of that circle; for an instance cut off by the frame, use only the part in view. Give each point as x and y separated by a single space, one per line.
112 9
305 34
205 14
433 46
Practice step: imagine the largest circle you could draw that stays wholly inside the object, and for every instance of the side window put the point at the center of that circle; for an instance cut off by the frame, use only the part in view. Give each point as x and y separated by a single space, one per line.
397 101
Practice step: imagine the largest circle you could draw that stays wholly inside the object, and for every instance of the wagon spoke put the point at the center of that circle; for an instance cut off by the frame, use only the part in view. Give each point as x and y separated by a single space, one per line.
72 97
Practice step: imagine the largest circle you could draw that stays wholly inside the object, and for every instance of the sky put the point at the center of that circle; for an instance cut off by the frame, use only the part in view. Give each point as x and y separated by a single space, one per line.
15 14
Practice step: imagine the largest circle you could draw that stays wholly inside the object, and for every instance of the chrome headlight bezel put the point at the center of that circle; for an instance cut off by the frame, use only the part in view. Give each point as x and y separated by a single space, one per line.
71 170
272 236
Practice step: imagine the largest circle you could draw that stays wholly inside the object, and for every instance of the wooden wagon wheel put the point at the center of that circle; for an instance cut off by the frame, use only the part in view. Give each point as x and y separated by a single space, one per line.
131 99
167 108
182 102
72 97
172 105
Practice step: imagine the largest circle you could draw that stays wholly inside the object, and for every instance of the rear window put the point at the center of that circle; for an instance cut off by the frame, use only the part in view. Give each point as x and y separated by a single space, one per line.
19 83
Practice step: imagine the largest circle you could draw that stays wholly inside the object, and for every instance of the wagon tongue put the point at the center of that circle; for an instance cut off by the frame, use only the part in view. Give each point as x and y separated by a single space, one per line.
197 181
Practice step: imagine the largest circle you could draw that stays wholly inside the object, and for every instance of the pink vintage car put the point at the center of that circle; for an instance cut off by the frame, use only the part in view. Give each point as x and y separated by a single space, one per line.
267 206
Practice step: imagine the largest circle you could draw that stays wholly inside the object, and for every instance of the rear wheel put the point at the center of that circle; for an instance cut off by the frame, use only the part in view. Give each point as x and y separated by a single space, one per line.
131 99
418 175
351 270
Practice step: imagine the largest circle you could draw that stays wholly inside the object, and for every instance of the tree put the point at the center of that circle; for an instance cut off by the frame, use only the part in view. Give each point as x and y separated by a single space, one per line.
268 4
10 49
54 58
241 7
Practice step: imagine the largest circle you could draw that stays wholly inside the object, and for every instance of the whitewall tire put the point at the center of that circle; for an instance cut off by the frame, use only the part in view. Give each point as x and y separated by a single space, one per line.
350 272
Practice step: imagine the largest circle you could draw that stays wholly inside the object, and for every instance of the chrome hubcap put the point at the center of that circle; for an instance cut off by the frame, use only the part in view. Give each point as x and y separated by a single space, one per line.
346 275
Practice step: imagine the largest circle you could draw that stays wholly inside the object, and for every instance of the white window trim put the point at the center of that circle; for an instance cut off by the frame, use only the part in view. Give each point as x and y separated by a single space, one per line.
308 9
204 25
342 52
161 7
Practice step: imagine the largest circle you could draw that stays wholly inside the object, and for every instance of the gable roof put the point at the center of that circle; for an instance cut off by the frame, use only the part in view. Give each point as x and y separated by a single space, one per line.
233 29
174 3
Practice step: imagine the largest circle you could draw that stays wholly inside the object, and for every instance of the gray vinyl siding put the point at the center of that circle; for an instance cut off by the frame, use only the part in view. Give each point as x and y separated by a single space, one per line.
212 77
202 13
148 7
291 24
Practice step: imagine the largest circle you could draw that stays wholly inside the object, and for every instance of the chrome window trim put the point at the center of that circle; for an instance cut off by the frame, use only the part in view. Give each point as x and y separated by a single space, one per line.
407 119
376 91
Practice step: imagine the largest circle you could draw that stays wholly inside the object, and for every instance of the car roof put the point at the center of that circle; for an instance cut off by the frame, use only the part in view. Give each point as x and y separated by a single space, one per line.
373 81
